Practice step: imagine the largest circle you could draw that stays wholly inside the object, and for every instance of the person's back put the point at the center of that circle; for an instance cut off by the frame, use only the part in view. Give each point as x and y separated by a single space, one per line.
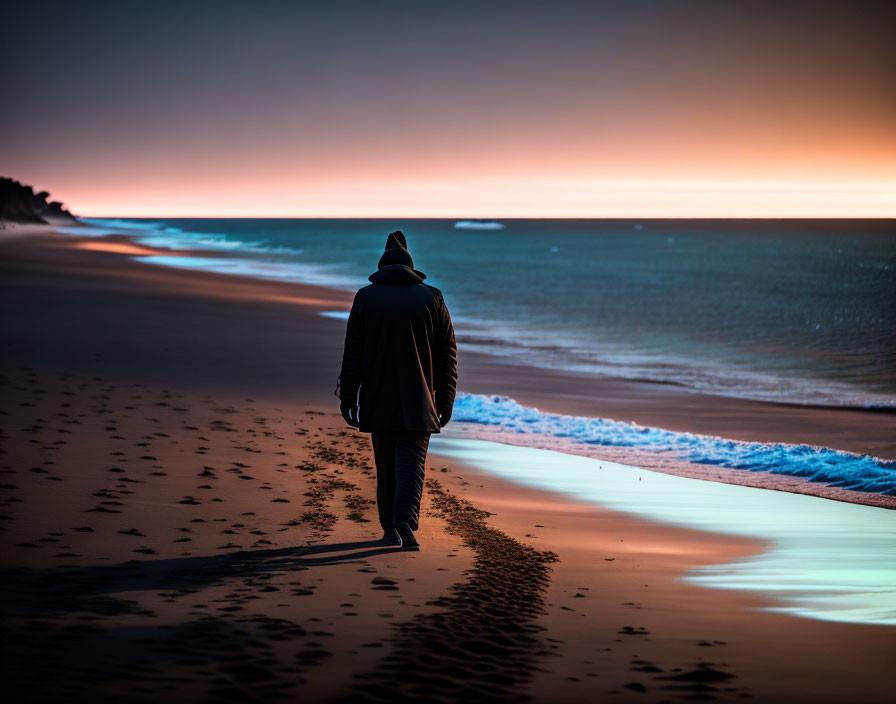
398 380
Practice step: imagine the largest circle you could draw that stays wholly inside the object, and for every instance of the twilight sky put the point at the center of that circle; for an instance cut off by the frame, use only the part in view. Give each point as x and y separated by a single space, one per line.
454 109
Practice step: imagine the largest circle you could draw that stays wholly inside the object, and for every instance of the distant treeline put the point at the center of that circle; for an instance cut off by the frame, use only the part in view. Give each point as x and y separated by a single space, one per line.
19 203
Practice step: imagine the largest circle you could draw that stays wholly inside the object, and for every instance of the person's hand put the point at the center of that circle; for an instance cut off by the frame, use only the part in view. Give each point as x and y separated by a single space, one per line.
350 413
444 417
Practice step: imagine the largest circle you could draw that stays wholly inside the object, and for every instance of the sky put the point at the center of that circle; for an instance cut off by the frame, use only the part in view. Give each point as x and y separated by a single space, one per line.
455 109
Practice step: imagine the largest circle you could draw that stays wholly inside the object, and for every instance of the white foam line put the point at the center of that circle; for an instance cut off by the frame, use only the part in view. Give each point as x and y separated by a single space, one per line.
818 464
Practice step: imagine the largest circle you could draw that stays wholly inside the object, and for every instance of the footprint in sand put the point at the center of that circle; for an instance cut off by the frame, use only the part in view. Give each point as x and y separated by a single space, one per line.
132 531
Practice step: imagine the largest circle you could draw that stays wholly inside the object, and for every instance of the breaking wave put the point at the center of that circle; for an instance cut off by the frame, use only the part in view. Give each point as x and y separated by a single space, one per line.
834 468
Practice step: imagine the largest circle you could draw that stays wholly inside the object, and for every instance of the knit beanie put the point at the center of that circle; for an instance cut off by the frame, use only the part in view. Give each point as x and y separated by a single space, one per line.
396 251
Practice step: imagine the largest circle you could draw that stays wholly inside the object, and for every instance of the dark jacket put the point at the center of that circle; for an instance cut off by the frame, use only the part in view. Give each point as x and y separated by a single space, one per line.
400 358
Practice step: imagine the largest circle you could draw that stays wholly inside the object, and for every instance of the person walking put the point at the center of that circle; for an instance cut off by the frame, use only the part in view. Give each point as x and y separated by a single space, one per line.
398 381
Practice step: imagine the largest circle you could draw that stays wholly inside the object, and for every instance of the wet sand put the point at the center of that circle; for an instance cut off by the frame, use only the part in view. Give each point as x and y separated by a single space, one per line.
185 516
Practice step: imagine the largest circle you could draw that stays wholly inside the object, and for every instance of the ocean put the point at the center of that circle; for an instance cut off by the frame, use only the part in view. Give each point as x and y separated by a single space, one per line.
800 312
785 311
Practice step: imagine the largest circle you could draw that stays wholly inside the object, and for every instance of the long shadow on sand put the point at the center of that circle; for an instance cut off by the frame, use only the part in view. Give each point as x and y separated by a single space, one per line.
481 643
65 589
67 635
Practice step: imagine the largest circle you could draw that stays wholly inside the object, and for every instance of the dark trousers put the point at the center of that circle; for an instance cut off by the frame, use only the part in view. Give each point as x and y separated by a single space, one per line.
400 459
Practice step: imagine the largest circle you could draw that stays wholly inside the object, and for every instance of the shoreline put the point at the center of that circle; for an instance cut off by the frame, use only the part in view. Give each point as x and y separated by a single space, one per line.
832 561
125 244
679 468
141 406
555 391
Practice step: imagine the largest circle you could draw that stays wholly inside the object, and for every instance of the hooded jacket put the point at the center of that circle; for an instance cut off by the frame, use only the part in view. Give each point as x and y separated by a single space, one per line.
399 365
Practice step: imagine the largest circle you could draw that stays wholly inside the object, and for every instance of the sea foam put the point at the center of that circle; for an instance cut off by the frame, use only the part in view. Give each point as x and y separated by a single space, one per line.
817 464
156 234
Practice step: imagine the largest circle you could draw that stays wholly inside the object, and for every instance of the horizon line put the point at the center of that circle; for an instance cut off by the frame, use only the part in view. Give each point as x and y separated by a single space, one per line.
462 218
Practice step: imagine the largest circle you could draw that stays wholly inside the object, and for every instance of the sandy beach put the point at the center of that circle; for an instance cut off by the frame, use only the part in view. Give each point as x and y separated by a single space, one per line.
186 515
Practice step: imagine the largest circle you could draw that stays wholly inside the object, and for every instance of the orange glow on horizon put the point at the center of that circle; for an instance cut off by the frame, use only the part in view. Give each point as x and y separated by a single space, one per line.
494 198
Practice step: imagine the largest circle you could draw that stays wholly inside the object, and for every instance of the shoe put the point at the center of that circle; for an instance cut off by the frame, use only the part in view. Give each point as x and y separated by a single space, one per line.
390 537
408 541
